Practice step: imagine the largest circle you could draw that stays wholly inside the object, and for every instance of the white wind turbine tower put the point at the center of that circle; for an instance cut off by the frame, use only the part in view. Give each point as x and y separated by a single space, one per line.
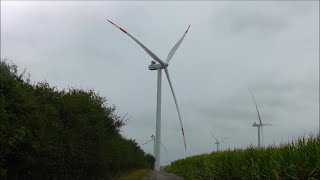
159 66
259 125
217 142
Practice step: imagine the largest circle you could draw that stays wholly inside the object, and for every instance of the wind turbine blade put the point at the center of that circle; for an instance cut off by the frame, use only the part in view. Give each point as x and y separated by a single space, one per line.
156 58
164 148
223 139
214 137
176 102
256 107
176 46
214 141
147 142
267 124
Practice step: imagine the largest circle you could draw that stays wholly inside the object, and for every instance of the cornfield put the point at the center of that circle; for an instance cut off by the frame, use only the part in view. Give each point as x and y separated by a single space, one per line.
299 159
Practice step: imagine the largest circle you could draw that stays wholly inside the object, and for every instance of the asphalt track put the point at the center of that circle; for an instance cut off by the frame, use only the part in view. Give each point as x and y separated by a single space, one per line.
155 175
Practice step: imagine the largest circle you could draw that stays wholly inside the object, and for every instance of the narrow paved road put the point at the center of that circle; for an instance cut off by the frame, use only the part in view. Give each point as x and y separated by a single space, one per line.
155 175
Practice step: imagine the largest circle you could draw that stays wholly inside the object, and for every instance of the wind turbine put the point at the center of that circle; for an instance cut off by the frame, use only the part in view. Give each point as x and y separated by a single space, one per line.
154 144
159 66
259 125
217 142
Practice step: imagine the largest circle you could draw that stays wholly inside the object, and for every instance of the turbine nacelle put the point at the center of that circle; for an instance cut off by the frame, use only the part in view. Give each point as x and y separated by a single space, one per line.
155 66
257 124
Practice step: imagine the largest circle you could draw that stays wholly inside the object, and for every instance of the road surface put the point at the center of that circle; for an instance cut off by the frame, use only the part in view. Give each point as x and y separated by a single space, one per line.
155 175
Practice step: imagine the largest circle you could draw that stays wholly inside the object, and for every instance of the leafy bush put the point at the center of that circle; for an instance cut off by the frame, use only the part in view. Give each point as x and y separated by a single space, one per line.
47 133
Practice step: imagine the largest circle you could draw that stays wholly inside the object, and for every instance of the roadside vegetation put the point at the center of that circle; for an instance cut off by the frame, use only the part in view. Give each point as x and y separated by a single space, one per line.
299 159
47 133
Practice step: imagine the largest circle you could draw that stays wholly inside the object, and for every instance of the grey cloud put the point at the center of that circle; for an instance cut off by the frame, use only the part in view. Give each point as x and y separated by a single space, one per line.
272 47
257 22
259 18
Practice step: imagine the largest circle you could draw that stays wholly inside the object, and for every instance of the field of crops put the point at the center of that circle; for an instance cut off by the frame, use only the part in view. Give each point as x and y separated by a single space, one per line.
296 160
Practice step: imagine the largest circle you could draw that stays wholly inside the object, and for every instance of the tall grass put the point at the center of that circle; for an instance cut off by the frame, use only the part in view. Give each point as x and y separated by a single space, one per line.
299 159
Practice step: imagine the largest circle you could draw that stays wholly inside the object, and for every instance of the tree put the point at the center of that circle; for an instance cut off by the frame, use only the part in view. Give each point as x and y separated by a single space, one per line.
47 133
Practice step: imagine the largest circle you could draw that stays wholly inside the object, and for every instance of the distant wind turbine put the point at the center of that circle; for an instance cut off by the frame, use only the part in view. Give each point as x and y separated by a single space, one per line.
154 145
217 142
259 125
159 66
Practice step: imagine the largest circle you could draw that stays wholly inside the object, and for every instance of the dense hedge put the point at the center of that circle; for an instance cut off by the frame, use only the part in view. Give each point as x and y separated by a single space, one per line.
297 160
47 133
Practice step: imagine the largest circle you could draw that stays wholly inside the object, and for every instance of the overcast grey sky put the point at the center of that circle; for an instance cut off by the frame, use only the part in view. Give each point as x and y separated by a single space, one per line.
271 47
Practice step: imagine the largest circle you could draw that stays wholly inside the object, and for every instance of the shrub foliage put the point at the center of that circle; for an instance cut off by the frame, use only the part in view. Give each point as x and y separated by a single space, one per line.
50 134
